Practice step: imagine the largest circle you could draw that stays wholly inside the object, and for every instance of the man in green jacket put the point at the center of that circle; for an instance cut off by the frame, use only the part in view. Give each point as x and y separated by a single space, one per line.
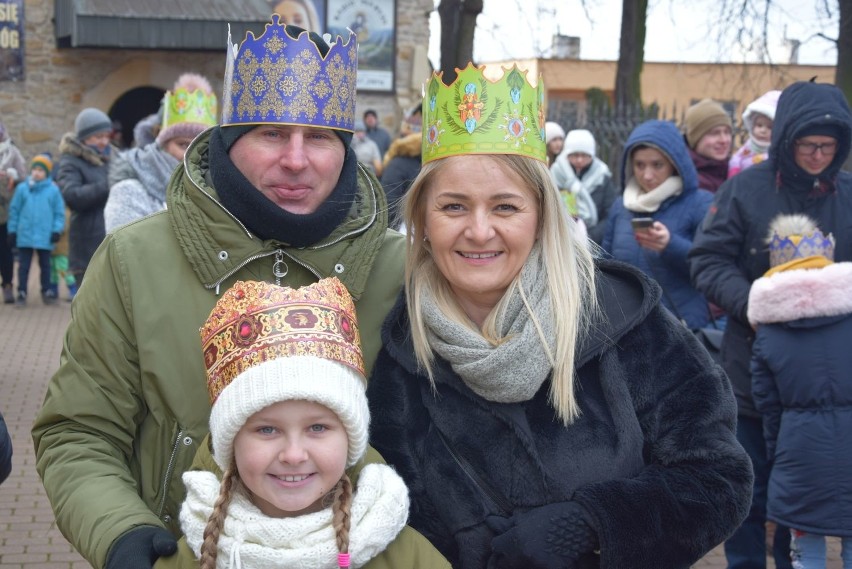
272 194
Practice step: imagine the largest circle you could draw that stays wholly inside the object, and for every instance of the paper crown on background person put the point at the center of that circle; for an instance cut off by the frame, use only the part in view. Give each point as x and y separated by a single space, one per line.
797 236
475 115
188 109
264 343
276 78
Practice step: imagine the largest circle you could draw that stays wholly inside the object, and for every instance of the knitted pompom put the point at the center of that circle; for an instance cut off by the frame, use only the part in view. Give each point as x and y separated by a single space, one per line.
192 82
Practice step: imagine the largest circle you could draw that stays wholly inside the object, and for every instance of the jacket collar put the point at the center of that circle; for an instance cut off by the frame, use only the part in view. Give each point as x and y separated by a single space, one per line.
801 293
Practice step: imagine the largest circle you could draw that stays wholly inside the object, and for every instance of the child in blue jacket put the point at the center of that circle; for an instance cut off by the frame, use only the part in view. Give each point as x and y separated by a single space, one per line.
36 221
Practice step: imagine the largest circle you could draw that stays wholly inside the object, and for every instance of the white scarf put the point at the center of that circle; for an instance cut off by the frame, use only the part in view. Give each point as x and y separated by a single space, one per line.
649 202
567 181
253 540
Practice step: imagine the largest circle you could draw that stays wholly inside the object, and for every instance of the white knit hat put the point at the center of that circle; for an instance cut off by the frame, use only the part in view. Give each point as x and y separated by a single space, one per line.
765 105
579 140
552 130
264 344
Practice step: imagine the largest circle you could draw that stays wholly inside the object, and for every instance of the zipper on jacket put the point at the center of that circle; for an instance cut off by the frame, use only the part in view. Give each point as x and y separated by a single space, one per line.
502 505
169 469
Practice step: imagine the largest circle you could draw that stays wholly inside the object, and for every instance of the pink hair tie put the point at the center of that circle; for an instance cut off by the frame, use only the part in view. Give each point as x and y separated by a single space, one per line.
343 560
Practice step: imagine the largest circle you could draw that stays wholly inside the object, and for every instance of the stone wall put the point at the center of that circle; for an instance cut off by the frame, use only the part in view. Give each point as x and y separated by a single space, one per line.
59 83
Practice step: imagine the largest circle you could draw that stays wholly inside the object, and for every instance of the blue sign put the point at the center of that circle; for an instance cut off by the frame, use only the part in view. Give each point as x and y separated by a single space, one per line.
11 40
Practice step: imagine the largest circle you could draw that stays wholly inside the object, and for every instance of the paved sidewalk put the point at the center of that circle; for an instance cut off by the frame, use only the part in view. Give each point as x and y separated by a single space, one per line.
30 342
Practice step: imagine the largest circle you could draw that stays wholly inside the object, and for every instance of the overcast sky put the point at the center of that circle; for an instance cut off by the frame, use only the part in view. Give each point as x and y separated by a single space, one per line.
675 33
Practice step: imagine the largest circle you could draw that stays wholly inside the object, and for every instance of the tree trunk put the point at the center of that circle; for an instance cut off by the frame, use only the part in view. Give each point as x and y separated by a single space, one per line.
458 23
843 72
631 54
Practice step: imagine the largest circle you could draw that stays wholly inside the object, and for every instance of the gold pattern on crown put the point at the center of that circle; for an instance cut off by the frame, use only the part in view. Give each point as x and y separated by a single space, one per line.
255 322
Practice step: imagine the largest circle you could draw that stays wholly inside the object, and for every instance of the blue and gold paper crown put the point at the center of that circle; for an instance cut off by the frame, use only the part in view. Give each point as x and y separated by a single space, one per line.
474 115
280 79
783 249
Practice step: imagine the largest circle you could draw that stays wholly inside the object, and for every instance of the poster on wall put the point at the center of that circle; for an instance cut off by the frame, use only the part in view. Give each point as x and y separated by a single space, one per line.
11 40
307 14
374 21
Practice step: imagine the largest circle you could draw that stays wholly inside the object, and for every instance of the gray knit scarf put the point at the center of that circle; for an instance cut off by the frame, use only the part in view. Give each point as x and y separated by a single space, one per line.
515 370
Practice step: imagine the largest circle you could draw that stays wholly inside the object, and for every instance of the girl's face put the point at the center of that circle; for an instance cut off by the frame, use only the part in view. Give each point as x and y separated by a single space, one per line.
482 223
651 168
293 13
579 160
761 129
290 455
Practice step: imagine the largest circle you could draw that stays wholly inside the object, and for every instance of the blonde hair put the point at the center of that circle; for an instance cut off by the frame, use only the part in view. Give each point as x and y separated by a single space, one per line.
567 259
341 515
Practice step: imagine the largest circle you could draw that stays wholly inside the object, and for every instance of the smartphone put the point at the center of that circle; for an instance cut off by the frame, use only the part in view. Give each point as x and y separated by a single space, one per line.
641 223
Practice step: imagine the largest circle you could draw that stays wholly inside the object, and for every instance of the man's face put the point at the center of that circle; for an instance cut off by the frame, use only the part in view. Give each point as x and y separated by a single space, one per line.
814 153
296 167
370 120
716 143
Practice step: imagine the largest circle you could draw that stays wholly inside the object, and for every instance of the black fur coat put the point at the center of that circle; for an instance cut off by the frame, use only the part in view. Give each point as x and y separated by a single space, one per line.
653 459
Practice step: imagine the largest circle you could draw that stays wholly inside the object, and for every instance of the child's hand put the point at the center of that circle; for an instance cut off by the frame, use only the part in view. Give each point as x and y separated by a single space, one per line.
54 237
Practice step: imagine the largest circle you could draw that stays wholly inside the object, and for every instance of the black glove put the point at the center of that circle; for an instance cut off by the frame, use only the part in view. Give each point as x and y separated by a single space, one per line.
555 535
140 548
12 240
54 237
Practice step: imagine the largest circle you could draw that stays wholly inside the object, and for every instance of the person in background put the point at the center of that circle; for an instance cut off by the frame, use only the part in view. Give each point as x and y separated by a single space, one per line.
298 413
514 392
554 137
82 176
366 150
801 310
36 220
375 132
300 13
709 135
402 164
661 186
13 168
269 194
5 450
579 171
59 264
803 174
146 130
757 119
138 177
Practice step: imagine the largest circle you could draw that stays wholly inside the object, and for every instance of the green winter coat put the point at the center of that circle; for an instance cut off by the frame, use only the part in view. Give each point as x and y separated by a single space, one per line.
124 413
410 550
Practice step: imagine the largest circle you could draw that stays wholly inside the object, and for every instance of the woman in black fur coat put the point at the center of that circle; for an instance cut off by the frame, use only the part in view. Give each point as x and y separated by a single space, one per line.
544 409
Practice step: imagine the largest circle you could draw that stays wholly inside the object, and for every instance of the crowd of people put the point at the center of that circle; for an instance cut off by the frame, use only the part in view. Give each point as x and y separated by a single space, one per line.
432 350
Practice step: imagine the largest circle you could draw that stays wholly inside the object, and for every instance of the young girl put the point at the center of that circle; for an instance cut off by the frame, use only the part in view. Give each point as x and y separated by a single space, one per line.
802 386
289 430
757 118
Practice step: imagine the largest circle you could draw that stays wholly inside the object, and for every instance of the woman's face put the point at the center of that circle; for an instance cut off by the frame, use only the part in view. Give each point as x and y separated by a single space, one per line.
651 168
579 160
293 13
481 222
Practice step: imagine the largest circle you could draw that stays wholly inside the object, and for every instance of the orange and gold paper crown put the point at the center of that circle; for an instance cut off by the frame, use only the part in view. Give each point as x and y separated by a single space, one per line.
255 322
474 115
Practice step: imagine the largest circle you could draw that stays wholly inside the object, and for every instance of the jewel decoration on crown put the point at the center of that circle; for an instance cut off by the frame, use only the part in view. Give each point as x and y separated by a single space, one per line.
183 106
475 115
789 247
255 322
276 78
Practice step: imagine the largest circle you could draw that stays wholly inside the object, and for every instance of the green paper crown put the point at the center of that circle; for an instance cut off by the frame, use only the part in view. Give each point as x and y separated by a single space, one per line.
475 115
183 106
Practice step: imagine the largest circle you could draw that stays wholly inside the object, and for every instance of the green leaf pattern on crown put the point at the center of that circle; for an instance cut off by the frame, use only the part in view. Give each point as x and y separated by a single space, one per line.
280 79
196 107
475 115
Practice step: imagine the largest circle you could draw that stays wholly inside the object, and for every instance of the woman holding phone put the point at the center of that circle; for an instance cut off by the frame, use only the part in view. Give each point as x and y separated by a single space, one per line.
653 225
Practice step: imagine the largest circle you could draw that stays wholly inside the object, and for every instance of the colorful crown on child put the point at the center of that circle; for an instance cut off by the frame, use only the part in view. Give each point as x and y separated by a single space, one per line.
195 106
475 115
276 78
256 322
783 249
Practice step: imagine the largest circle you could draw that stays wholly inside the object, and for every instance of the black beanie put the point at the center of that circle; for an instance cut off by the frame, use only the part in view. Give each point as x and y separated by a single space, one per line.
821 129
230 133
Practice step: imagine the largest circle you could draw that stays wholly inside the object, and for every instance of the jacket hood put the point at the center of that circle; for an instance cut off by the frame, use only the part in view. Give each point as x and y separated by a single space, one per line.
625 296
801 293
70 145
664 136
802 105
410 145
